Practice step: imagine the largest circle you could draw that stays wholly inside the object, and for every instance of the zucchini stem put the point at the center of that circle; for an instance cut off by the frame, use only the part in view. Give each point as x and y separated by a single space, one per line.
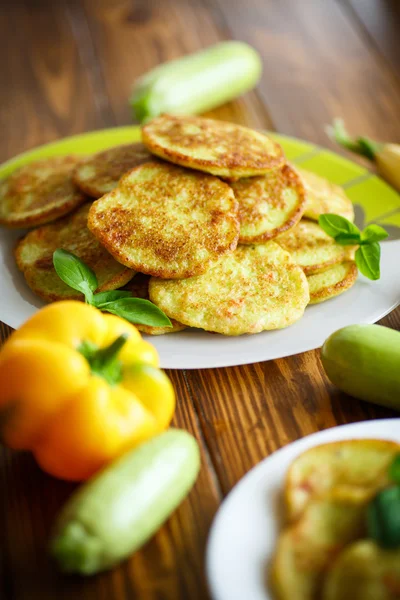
363 146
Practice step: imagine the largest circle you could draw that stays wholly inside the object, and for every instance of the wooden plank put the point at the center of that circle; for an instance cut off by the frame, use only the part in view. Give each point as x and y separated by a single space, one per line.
317 66
45 93
381 21
131 38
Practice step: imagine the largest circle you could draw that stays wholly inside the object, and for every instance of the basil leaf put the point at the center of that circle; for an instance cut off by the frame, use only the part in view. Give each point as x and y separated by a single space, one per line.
104 297
394 470
347 239
383 518
373 233
138 311
368 260
334 225
73 271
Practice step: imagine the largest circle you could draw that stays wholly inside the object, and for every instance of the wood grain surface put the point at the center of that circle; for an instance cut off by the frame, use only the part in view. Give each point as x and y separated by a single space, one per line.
67 67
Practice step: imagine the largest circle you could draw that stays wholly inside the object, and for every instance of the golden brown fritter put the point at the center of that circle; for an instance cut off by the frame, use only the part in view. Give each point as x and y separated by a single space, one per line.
312 248
39 192
100 173
332 282
34 255
250 290
139 286
167 221
323 197
269 204
216 147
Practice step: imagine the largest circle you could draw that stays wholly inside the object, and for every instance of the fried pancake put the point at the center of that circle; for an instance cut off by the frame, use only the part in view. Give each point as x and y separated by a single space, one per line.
250 290
306 548
269 204
100 173
166 221
139 286
34 255
312 248
350 470
39 192
323 197
216 147
332 282
364 571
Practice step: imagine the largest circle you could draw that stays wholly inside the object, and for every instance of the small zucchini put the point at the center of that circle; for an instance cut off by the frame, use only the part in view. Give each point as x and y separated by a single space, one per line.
118 510
364 362
198 82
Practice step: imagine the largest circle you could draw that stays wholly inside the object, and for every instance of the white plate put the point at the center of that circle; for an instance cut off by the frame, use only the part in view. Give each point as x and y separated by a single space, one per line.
366 302
244 532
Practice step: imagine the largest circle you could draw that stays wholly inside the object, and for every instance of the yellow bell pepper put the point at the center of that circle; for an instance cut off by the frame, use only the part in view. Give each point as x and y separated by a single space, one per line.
78 388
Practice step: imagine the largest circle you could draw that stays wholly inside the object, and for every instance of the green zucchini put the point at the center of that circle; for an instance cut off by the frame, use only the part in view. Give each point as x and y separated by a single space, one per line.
198 82
364 362
118 510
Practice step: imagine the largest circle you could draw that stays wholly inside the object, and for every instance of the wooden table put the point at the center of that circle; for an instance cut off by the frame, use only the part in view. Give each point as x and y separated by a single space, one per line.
67 67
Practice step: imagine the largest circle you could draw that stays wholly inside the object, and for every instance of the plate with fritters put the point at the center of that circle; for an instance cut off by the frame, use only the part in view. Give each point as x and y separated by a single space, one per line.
253 549
366 301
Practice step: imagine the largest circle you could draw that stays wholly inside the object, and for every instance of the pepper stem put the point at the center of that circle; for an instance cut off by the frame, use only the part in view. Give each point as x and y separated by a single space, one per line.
104 362
361 145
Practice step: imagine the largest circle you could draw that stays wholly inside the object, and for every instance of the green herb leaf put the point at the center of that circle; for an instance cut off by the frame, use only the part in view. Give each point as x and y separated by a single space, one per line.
104 297
373 233
368 260
335 225
394 470
348 239
383 518
138 311
73 271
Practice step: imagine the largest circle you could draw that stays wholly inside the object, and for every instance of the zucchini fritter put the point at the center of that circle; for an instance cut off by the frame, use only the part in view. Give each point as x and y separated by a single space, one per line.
269 204
312 249
323 197
250 290
39 192
166 221
216 147
34 255
100 173
332 282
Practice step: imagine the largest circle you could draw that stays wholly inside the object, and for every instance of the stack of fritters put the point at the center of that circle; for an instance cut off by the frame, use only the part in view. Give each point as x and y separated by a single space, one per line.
209 211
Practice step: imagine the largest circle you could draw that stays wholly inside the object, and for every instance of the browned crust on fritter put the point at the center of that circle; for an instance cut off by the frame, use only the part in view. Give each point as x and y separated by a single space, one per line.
110 165
19 178
238 161
45 263
292 180
139 286
339 287
348 255
117 225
